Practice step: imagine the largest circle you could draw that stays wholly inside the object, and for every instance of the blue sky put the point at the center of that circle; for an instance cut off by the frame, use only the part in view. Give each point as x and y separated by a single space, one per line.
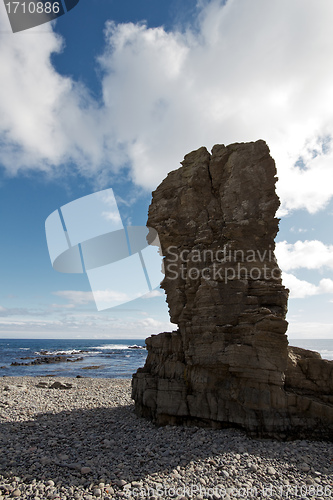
114 94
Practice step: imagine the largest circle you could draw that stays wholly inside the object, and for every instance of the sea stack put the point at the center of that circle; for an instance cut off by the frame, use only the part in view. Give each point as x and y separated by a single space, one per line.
229 363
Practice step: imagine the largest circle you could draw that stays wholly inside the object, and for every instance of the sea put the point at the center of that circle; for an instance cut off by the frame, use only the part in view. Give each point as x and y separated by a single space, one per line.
118 358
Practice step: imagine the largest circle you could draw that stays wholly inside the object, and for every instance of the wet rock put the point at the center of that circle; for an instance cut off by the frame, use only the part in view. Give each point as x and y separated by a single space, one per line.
48 360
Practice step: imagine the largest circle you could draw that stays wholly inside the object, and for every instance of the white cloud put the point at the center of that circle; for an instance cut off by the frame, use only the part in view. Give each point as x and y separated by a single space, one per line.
248 70
111 297
80 323
20 311
310 330
299 230
112 216
151 323
299 289
152 294
313 255
227 85
76 297
108 297
304 254
46 119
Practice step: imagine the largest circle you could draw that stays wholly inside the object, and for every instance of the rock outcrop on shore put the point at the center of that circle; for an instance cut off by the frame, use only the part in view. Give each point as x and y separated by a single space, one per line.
48 360
229 363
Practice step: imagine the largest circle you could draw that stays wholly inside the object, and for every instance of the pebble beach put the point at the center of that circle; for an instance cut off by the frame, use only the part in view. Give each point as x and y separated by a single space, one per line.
79 438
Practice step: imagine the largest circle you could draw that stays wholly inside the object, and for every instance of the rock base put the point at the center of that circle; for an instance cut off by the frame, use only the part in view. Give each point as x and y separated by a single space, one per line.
170 392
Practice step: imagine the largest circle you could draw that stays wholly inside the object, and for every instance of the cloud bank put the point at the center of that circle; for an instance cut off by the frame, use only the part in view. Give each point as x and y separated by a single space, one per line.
310 255
245 70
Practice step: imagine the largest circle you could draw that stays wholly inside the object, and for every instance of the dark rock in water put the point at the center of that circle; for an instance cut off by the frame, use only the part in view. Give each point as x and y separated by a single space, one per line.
41 360
229 363
93 367
47 360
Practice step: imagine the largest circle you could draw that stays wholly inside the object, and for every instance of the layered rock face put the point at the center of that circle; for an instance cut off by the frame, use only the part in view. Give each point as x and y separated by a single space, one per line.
229 363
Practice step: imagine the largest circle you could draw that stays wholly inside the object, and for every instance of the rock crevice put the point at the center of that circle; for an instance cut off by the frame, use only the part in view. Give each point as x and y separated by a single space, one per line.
229 363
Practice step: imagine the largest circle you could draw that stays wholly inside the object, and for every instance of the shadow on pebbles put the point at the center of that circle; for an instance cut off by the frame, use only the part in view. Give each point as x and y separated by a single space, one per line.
81 439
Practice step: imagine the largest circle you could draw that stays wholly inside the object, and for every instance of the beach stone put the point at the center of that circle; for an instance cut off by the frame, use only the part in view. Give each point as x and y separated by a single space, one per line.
59 385
271 471
229 361
97 492
85 470
16 493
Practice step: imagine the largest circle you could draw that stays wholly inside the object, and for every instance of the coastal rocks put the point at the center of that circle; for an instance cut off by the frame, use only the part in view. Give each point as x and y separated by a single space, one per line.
59 385
229 363
92 367
54 385
48 360
15 387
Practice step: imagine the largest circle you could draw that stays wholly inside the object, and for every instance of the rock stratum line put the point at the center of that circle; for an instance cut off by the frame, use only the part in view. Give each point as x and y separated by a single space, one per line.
229 363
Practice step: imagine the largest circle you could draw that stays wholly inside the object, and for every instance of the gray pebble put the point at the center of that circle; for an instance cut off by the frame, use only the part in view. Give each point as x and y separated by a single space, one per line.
85 470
